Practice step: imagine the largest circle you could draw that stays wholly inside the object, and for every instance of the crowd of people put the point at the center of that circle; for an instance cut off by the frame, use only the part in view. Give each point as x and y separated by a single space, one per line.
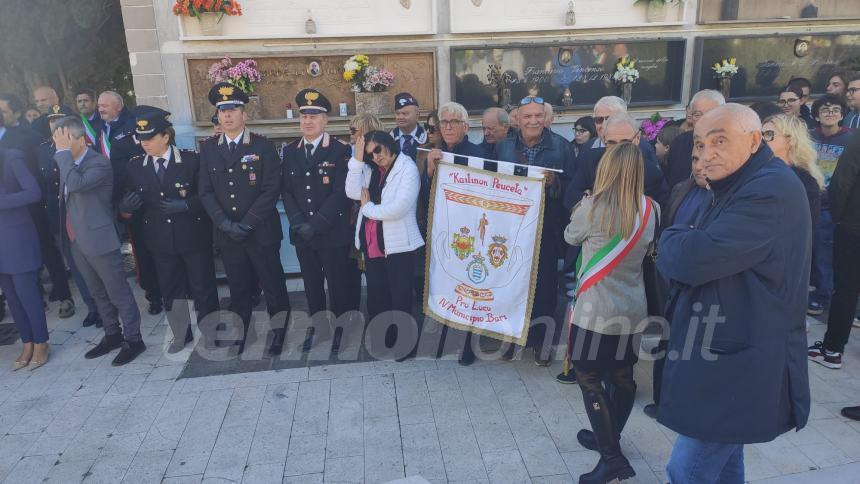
731 224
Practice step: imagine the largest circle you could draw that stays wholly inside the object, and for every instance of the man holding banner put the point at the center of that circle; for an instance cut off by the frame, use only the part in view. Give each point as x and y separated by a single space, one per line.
535 145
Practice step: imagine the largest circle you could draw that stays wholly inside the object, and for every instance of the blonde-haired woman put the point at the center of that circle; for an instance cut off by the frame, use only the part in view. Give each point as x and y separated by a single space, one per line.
789 140
360 125
615 228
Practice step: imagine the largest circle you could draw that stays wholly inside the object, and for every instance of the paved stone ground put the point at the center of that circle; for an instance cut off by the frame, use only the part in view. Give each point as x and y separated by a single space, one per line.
78 420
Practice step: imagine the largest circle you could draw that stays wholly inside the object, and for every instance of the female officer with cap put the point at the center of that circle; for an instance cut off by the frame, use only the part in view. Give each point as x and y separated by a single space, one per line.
162 191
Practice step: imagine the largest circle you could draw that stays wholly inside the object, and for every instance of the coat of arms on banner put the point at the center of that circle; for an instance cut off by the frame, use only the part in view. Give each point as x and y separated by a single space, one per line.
482 250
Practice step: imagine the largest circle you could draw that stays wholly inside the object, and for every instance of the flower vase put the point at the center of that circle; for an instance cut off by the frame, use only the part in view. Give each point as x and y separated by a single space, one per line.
252 109
726 86
375 103
210 23
627 91
656 12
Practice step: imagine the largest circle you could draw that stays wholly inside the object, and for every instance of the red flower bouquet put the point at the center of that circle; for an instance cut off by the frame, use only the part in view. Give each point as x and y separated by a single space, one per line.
193 8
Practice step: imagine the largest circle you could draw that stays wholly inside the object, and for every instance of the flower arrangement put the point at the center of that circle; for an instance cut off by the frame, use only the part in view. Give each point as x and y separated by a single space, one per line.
726 68
193 8
365 77
651 127
625 71
242 75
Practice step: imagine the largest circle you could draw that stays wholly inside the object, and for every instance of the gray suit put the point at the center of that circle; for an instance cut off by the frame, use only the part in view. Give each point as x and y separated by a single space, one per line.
88 218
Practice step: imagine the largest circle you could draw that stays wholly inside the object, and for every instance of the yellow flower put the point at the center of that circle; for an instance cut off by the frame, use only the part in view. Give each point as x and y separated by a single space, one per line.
732 61
619 66
348 75
632 64
717 65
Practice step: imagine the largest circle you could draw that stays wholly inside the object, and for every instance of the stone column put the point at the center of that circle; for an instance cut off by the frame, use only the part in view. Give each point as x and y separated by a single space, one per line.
144 53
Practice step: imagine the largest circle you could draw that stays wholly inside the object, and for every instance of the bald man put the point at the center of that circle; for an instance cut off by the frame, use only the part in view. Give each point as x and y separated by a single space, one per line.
739 277
45 98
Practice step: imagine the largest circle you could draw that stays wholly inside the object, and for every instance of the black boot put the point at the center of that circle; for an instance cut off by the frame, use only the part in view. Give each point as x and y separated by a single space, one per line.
2 307
129 351
108 343
612 464
91 319
622 398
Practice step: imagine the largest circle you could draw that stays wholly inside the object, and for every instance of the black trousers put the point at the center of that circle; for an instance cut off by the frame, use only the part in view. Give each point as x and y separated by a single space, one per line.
144 262
51 256
846 283
181 273
332 265
546 294
241 260
389 283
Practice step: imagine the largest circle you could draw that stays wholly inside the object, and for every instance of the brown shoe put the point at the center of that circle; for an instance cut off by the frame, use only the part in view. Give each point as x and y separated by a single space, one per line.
40 356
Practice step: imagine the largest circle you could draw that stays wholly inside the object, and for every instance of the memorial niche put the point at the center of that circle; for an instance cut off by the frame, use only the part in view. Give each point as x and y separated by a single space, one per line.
766 64
570 76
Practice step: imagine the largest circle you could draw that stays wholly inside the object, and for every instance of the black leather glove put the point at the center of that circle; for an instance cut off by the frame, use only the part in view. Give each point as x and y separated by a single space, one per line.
306 231
235 230
130 202
171 206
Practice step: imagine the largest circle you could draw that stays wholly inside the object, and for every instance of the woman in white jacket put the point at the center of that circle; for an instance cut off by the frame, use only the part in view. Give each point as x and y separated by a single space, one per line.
386 182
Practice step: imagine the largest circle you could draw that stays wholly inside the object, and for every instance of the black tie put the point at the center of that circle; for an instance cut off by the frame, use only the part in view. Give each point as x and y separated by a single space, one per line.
309 148
232 147
159 172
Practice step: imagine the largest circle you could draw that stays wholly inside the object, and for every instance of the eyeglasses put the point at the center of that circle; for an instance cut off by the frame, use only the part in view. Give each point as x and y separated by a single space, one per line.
580 130
852 90
830 112
531 99
430 128
783 102
768 135
450 123
696 114
612 142
600 119
353 130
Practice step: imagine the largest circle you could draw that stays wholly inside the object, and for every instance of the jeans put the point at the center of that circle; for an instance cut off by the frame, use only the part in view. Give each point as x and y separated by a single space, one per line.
695 461
822 263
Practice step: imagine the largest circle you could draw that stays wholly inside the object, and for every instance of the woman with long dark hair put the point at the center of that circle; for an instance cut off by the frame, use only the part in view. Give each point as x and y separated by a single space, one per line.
584 130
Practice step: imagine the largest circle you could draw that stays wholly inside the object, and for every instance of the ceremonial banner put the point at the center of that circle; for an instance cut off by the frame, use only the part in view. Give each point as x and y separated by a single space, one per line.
483 246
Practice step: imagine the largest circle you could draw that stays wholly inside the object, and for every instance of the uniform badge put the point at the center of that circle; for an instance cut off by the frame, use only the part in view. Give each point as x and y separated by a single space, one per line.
477 270
142 124
250 158
463 244
182 188
225 92
498 251
252 178
244 166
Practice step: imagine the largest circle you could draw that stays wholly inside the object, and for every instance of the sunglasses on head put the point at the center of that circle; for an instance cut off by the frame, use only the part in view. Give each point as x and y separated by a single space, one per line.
430 128
768 135
531 99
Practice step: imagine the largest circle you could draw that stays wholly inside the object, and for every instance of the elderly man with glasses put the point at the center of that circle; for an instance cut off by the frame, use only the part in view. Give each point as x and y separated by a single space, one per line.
626 129
454 126
534 144
681 150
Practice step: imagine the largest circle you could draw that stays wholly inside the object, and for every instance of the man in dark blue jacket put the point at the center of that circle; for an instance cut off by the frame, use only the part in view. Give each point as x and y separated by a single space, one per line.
534 144
736 371
618 128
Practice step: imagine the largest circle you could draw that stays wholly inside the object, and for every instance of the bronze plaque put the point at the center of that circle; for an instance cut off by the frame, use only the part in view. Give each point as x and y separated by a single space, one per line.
284 77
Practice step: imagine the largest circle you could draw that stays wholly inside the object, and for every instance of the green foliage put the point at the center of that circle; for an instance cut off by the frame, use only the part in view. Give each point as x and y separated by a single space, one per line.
67 44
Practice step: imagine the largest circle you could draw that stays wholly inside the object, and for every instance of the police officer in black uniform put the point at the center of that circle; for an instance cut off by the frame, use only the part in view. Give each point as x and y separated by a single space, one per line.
162 193
117 142
239 187
316 204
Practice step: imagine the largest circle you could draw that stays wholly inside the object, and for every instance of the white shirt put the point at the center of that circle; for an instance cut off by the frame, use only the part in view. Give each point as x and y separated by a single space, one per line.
413 134
315 143
165 157
238 139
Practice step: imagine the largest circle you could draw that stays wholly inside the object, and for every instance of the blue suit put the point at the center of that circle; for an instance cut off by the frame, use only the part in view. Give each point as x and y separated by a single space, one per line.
20 257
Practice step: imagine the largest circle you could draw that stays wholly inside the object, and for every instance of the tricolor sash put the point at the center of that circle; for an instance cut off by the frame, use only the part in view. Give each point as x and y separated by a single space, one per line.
611 254
104 144
92 136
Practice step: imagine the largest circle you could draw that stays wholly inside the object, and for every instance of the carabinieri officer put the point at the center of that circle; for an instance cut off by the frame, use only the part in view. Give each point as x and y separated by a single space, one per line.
319 211
239 186
162 193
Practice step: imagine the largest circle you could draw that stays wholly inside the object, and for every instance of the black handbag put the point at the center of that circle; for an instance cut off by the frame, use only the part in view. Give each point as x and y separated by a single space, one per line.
654 290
